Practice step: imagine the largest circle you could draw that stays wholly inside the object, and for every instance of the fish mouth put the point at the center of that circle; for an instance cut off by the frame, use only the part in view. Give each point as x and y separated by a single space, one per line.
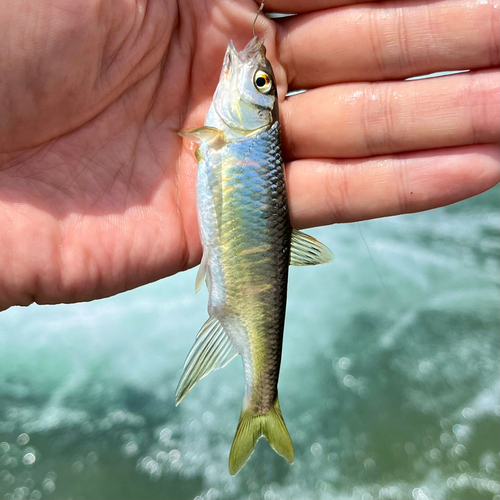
254 47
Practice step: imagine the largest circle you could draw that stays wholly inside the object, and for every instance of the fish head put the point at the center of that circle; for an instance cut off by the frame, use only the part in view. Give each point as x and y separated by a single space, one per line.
246 97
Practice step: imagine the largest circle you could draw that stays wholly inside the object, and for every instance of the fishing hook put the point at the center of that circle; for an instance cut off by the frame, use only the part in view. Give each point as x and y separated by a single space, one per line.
256 17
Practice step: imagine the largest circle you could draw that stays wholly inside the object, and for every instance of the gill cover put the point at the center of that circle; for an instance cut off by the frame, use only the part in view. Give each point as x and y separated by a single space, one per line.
238 101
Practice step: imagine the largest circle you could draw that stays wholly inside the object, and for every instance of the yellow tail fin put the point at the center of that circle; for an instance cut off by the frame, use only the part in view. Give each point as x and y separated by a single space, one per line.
251 427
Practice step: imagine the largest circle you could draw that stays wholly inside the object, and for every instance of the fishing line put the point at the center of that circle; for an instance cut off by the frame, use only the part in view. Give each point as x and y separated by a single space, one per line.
387 292
257 16
399 308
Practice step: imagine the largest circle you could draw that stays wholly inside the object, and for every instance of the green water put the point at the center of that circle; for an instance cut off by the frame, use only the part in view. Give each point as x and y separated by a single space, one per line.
389 382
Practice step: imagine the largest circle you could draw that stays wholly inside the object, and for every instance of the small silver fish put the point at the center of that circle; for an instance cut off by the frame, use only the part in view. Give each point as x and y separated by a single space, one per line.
248 244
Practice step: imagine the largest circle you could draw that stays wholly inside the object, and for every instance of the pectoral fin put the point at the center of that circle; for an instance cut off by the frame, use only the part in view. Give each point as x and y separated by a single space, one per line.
212 349
308 251
214 137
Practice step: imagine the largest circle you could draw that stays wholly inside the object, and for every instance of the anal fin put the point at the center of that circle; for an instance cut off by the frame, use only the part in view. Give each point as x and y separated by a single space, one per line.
308 251
212 349
202 272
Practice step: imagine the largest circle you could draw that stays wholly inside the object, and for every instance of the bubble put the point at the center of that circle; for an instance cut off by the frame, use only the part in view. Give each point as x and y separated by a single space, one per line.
418 494
460 450
461 431
4 447
210 471
395 492
208 417
363 392
36 495
344 363
156 474
106 424
174 455
369 464
131 449
153 467
410 448
162 456
317 449
445 438
23 439
463 466
349 381
435 455
48 485
468 413
212 494
322 486
118 416
9 478
21 492
77 467
145 462
269 495
444 423
176 466
195 426
165 435
29 459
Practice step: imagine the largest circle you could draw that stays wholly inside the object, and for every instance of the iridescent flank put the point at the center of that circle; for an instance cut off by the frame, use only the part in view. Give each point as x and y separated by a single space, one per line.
248 245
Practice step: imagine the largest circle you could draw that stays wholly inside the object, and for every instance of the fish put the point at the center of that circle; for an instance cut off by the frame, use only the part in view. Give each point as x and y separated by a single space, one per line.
248 245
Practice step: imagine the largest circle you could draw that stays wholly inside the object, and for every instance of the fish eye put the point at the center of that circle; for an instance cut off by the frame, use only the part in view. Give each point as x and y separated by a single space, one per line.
262 82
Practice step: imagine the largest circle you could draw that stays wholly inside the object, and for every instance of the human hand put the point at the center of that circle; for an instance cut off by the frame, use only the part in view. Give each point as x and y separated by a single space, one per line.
97 191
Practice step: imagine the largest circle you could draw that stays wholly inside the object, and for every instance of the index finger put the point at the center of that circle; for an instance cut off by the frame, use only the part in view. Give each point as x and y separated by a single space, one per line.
388 40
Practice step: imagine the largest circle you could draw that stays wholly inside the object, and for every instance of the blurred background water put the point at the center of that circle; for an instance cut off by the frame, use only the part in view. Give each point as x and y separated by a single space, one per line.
389 382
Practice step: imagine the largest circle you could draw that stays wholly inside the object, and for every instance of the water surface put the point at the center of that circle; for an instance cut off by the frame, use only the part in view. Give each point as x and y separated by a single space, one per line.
389 382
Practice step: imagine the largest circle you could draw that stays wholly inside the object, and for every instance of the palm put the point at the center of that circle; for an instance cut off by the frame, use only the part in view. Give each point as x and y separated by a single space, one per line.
108 187
97 190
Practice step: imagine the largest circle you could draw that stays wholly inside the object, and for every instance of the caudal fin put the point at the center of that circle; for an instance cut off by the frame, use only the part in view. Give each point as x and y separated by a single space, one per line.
251 427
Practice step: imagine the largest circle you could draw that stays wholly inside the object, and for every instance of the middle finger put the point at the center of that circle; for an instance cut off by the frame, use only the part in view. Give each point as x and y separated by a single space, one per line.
363 119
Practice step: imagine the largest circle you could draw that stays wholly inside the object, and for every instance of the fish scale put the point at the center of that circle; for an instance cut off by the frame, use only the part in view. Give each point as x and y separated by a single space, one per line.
257 295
